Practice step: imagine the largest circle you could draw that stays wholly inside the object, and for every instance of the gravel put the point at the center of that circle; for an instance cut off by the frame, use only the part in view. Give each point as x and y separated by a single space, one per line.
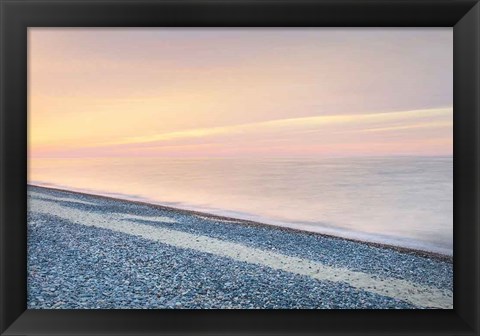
74 266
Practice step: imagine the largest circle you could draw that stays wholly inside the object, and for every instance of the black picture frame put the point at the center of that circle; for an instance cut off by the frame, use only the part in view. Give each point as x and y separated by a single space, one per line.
17 15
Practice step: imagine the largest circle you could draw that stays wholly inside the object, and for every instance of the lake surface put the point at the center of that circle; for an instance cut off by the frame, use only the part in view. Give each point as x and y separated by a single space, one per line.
404 201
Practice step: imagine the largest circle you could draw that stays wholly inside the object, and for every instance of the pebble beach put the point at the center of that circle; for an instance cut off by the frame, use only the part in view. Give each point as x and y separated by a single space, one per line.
94 252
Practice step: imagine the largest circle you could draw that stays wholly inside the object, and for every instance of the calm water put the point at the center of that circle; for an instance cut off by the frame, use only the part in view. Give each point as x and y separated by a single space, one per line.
404 201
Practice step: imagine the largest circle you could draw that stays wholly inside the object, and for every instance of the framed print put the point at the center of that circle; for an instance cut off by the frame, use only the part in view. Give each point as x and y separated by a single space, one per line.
239 167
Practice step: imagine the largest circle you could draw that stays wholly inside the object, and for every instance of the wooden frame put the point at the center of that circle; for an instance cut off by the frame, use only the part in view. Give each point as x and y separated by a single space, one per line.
18 15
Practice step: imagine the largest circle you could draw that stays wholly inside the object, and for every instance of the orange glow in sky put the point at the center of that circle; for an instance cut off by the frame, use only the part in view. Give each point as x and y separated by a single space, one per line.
239 92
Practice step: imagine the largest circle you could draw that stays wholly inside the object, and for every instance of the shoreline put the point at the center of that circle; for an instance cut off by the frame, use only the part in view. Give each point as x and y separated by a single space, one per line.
245 222
115 253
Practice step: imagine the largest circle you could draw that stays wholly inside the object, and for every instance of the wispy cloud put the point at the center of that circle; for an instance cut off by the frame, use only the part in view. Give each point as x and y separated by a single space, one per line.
440 117
426 131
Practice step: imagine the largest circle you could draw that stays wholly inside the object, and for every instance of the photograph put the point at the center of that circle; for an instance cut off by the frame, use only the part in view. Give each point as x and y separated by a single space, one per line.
240 168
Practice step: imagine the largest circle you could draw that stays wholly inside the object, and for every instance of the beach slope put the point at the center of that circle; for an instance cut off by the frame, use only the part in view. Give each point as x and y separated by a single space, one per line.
87 252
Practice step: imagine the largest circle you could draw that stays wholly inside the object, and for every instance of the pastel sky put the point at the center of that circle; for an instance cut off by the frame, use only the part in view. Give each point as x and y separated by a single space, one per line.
240 92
